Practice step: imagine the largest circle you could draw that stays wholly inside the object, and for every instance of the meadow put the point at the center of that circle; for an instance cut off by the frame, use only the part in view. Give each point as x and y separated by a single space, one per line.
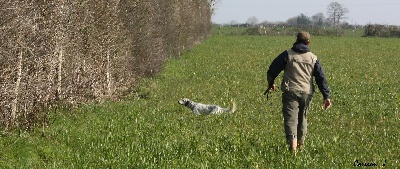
149 129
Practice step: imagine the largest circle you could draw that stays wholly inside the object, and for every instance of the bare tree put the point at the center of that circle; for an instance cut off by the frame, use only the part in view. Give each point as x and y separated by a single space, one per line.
253 21
336 12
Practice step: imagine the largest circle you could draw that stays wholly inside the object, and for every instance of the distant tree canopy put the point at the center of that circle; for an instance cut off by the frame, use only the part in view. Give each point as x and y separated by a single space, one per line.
303 19
318 19
336 14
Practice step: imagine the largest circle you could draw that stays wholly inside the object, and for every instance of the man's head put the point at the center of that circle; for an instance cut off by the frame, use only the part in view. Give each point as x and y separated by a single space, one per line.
303 37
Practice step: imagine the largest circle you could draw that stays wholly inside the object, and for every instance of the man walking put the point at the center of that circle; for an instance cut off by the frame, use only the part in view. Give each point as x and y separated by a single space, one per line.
299 66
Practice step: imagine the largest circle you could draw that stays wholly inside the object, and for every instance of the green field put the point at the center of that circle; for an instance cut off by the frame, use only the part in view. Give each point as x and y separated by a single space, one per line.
150 130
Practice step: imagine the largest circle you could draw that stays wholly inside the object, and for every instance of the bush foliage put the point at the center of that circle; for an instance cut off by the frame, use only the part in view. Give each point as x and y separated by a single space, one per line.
382 30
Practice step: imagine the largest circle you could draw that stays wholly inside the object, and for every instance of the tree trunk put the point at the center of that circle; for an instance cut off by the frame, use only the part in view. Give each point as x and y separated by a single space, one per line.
16 90
59 73
108 74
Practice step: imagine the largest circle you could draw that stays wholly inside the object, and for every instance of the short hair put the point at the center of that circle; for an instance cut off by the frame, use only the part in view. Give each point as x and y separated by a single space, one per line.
303 37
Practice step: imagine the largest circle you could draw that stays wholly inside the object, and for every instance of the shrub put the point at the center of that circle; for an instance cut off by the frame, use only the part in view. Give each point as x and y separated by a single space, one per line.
79 51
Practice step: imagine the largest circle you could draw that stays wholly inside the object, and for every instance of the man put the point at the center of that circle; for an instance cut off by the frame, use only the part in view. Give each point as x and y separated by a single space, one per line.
300 66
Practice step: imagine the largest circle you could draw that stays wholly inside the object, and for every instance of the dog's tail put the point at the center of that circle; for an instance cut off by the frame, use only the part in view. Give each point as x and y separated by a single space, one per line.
234 108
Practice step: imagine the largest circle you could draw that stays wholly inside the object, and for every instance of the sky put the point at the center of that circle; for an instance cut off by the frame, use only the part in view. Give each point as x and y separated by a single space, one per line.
361 12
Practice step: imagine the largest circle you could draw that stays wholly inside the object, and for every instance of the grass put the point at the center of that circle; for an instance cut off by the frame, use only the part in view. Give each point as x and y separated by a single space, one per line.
153 131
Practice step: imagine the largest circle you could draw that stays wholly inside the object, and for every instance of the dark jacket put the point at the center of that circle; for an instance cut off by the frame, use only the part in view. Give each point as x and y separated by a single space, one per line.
279 64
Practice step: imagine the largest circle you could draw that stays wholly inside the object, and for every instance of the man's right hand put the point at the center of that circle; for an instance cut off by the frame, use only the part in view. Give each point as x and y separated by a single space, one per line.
327 104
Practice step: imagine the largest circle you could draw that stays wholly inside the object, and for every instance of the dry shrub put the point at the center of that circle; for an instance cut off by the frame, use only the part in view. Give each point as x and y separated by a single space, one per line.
68 52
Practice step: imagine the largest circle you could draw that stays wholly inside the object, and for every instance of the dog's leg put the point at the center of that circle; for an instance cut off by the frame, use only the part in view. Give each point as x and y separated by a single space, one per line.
196 111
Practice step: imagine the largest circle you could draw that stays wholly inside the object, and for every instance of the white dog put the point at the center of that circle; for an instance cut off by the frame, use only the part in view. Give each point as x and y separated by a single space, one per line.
199 108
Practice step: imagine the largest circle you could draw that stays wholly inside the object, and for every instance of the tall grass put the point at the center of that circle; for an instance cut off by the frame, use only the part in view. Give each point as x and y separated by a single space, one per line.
150 130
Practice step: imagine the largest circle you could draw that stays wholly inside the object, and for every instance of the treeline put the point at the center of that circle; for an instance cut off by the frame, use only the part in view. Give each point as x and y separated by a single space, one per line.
74 51
285 30
292 30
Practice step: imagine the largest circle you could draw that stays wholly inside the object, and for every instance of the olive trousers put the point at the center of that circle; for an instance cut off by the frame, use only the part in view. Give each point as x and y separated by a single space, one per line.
294 108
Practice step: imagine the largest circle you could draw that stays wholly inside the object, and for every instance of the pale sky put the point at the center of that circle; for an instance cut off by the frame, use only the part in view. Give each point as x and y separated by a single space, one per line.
360 11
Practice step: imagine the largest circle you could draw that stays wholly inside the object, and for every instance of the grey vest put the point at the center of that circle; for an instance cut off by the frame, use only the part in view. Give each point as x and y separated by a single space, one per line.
298 73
